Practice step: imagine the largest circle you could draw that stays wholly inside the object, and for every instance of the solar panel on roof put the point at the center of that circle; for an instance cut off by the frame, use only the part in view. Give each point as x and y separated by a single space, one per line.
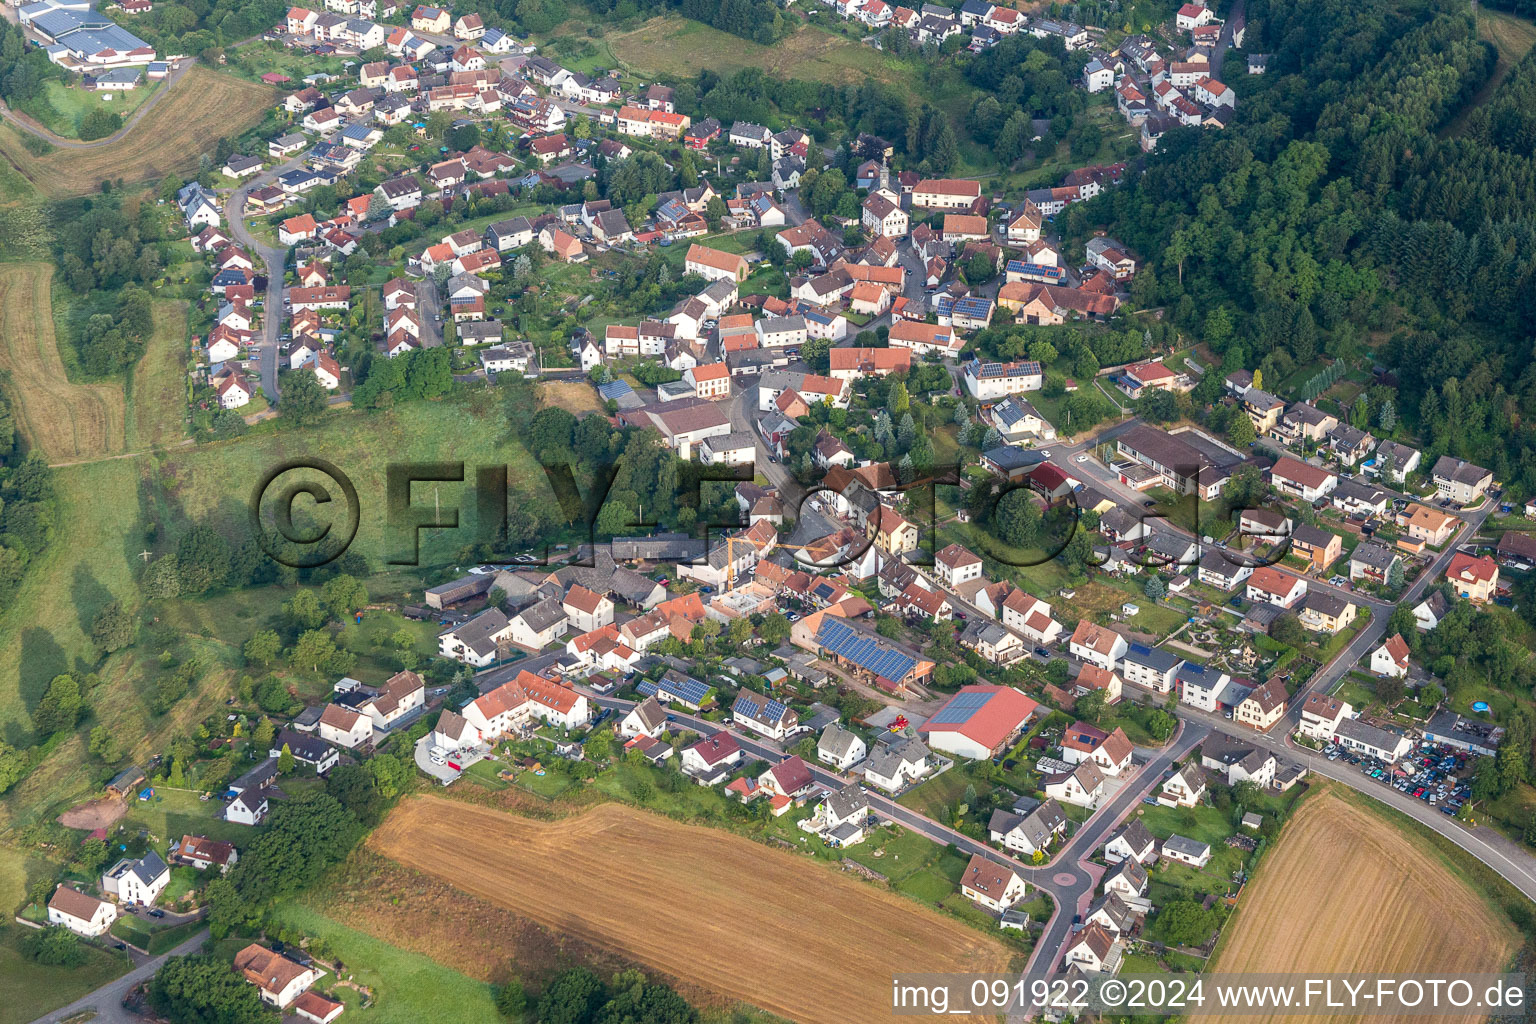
960 708
690 689
646 688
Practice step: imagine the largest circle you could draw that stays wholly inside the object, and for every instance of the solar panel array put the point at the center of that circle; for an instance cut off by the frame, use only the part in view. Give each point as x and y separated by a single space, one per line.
765 708
689 689
960 708
646 688
864 651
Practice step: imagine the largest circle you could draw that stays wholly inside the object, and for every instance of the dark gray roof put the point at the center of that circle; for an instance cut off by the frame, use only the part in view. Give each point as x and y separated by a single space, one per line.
541 616
1135 835
476 633
1185 846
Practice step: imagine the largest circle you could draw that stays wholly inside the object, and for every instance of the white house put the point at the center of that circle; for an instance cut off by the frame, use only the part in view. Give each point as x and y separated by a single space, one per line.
345 727
1082 786
1131 841
586 610
514 704
893 766
1187 851
81 914
648 718
992 885
137 881
955 566
841 748
278 980
539 625
1321 715
1391 658
764 715
1097 645
401 694
1028 833
1094 948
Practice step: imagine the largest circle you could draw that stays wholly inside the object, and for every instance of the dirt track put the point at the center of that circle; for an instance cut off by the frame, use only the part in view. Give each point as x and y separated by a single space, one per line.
699 904
170 137
1345 892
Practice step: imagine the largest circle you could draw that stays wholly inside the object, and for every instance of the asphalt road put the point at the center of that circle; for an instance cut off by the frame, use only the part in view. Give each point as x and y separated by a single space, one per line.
1068 878
275 261
107 1000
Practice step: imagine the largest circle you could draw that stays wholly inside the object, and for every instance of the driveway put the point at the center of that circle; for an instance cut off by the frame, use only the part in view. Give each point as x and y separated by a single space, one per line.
107 1001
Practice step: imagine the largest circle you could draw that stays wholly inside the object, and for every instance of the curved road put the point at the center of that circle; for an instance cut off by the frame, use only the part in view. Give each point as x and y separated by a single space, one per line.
107 1001
275 260
31 127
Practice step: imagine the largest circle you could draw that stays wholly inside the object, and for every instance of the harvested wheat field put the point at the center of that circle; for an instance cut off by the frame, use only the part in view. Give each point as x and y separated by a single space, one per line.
1344 891
171 136
704 906
63 420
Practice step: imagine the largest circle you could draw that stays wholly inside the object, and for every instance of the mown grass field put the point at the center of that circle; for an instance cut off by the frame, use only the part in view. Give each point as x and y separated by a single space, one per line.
1344 891
691 902
1514 37
65 421
181 126
157 394
67 104
678 47
105 510
408 988
31 990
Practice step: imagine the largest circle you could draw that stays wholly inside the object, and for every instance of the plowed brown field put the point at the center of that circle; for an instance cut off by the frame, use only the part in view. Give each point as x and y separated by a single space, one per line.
1346 892
701 905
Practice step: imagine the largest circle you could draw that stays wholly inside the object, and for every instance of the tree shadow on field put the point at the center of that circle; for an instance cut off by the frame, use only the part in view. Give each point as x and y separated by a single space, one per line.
89 597
41 659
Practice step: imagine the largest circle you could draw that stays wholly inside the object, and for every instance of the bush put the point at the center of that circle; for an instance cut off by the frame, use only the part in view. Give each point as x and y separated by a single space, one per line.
53 946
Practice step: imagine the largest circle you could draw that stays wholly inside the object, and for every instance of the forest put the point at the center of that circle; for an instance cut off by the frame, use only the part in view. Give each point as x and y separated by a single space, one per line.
1339 220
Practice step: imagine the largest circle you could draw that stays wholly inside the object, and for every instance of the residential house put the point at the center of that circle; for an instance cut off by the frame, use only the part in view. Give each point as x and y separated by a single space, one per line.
1475 578
278 980
1460 481
84 915
1131 841
1391 659
1325 612
1267 583
1263 707
1187 851
1321 715
1097 645
1082 785
992 885
1184 788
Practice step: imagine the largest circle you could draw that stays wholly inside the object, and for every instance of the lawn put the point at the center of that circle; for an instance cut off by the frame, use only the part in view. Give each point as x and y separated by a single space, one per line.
156 940
173 813
938 796
32 990
67 104
677 47
96 555
407 988
204 106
